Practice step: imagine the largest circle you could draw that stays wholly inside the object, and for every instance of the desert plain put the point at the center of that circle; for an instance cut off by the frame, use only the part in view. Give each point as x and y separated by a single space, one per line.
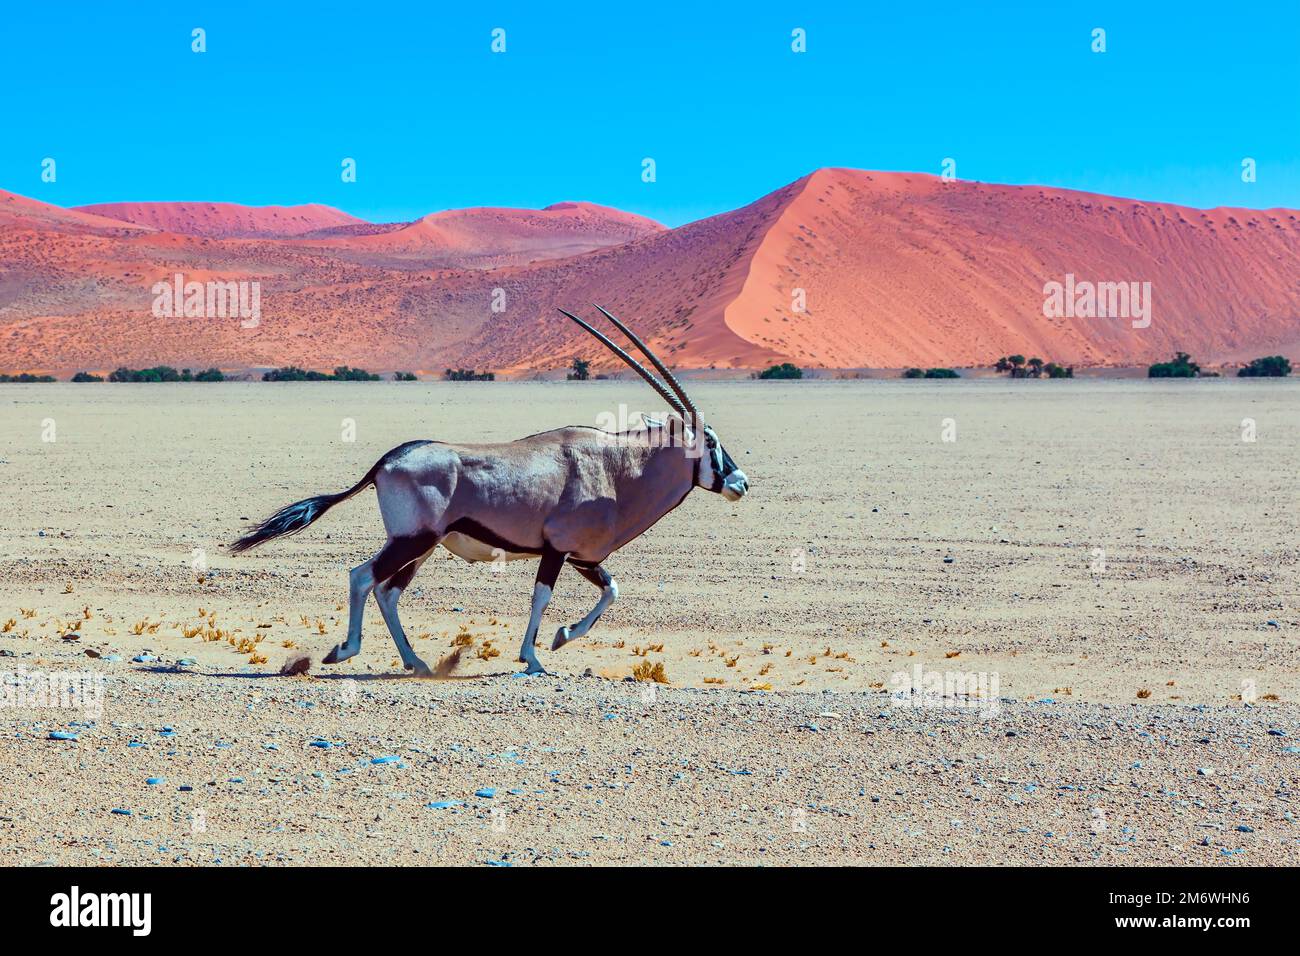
1115 561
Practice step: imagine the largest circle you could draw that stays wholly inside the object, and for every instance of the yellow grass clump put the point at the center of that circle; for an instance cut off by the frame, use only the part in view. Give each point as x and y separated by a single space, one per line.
648 671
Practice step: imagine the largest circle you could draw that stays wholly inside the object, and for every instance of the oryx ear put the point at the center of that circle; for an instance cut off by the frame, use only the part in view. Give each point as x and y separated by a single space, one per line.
651 422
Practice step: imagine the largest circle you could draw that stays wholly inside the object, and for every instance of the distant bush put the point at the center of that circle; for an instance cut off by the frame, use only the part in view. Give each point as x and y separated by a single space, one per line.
1272 366
784 370
1018 367
87 377
404 377
292 373
914 373
468 375
159 373
344 374
27 378
1182 366
580 370
941 373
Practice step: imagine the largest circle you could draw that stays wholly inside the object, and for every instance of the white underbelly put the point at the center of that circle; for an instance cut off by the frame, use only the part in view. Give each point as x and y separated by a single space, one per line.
472 549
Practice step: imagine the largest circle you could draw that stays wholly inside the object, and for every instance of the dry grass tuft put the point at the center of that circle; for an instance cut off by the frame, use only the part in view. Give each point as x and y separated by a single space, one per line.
1143 694
650 672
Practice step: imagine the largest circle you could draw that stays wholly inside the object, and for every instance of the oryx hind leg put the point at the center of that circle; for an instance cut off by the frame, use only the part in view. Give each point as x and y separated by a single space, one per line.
387 594
598 576
547 572
392 557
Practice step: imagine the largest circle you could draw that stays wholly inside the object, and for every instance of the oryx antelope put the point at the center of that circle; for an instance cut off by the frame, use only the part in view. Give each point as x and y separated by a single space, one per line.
575 495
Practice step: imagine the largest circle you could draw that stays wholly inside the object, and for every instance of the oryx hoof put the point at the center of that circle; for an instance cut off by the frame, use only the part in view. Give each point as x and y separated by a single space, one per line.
561 638
535 667
338 654
419 668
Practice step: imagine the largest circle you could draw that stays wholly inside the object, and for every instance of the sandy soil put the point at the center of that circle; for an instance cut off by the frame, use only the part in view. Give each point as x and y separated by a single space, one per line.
1085 542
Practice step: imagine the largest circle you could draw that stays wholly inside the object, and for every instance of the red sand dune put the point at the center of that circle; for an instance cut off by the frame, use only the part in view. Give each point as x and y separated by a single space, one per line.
20 213
486 237
896 270
221 220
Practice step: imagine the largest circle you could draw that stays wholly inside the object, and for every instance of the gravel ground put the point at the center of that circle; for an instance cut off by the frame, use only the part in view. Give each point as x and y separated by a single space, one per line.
562 770
1115 547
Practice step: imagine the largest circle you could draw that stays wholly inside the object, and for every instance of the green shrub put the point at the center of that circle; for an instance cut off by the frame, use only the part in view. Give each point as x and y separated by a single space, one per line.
1018 367
292 373
210 375
784 370
1182 366
27 378
344 374
913 373
468 375
581 370
159 373
87 377
1271 366
404 377
941 373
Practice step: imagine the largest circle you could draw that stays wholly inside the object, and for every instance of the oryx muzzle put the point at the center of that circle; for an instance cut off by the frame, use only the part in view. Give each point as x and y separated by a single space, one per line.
575 495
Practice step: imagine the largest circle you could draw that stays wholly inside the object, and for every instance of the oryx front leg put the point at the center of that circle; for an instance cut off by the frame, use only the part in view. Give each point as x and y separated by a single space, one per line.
608 593
547 572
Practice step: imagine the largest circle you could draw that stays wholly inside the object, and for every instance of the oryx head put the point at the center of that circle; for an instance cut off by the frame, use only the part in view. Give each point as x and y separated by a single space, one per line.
715 469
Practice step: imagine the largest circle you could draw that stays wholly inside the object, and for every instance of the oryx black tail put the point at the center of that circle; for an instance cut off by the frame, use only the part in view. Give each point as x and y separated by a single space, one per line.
293 518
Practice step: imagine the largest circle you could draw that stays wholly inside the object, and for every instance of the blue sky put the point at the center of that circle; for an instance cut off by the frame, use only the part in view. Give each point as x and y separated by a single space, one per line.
1011 91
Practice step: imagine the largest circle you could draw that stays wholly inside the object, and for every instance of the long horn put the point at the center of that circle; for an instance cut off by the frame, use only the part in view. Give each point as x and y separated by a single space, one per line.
669 377
640 369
